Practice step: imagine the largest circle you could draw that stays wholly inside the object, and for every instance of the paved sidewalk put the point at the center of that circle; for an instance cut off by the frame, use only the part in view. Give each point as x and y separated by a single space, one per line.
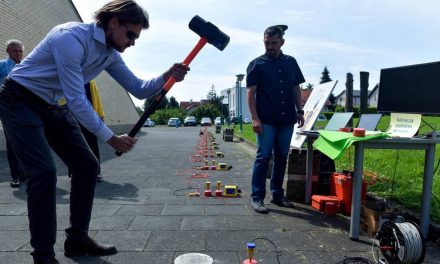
142 207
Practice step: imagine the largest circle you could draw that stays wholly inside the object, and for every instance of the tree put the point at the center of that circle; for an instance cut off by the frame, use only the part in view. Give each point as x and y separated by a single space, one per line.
206 110
217 102
172 103
163 104
139 110
212 94
309 86
325 76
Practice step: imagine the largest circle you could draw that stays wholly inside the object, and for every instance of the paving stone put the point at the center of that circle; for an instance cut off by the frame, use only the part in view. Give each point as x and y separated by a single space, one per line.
226 210
115 222
176 241
173 209
143 209
155 223
13 240
205 223
13 209
124 240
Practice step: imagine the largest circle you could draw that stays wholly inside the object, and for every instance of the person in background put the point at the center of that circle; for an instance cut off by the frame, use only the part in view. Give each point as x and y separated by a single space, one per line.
274 100
71 55
15 49
94 98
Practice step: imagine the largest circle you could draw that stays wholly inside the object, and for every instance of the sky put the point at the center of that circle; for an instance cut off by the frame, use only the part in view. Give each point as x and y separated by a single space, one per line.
346 36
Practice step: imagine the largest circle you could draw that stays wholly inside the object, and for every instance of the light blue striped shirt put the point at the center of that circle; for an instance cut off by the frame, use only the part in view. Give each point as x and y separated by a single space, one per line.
70 56
5 68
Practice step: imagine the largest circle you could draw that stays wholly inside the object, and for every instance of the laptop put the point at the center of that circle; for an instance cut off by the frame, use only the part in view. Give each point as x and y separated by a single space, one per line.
337 121
369 121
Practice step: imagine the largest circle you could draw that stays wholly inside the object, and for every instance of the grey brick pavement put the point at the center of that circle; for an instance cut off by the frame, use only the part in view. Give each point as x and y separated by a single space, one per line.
143 208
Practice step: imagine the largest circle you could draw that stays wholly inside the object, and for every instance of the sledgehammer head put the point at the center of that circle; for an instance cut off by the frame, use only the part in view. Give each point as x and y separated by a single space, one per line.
210 32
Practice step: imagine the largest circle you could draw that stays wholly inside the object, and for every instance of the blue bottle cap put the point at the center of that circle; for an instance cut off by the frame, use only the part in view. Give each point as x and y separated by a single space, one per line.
251 245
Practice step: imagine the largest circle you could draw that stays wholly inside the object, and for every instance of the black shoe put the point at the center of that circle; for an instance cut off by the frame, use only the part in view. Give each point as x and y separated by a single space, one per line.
46 261
283 202
100 178
259 207
15 183
76 245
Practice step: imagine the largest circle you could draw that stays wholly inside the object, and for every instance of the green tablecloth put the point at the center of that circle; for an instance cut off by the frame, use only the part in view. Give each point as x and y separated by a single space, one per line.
333 143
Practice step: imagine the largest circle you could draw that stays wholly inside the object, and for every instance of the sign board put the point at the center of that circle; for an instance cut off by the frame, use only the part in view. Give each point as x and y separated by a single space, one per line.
404 125
312 108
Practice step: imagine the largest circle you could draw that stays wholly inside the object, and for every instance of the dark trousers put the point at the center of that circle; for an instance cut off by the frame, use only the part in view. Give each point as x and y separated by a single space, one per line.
16 171
33 127
92 141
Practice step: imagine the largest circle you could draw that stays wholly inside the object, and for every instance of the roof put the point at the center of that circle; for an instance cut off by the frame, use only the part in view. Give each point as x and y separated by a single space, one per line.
305 93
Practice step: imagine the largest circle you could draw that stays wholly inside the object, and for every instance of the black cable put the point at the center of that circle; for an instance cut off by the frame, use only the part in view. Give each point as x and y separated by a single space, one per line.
183 189
273 244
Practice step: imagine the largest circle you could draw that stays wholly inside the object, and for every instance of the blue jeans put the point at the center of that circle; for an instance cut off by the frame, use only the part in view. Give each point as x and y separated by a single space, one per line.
276 140
33 128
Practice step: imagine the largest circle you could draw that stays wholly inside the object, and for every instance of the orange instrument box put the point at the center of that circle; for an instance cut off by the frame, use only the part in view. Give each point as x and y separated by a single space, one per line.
341 186
319 201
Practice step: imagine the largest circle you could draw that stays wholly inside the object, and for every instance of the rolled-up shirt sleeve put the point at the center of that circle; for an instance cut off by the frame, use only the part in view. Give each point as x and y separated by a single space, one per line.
68 53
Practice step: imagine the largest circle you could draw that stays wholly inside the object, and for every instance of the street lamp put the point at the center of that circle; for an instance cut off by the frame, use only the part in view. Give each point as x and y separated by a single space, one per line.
239 100
229 104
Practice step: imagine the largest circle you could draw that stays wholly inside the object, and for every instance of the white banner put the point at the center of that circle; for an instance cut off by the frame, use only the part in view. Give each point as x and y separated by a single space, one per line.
312 108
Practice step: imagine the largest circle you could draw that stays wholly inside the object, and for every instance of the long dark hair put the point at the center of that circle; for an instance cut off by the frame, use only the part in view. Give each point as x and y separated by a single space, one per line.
127 11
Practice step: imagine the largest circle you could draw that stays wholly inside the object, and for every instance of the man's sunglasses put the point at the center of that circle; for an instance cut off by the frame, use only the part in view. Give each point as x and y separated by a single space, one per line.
130 34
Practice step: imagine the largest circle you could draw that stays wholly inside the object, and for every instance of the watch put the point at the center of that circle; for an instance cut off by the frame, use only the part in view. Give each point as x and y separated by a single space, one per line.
300 112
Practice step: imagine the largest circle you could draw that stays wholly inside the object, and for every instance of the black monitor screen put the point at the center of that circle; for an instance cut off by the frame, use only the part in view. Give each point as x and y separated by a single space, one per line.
410 89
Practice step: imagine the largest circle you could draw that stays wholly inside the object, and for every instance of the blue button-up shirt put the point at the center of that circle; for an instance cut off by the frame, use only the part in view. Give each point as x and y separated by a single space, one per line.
5 68
275 79
71 55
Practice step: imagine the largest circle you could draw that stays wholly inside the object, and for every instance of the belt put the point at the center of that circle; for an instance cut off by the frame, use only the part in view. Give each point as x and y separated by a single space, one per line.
28 94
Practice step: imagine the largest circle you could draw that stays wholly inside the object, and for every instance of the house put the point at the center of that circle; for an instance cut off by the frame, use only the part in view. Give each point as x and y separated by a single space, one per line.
372 97
189 106
305 93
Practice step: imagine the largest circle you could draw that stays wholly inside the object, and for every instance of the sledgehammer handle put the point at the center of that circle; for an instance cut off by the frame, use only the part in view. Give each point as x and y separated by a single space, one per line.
171 81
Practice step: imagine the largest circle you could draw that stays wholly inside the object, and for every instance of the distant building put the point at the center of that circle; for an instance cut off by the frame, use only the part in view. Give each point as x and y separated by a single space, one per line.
305 93
230 99
188 107
372 97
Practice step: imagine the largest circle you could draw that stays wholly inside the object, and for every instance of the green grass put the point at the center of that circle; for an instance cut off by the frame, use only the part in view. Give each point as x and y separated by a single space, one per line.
399 173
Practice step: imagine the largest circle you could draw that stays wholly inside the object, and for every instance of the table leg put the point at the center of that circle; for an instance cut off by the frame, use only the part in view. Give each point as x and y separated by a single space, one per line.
309 169
427 190
357 191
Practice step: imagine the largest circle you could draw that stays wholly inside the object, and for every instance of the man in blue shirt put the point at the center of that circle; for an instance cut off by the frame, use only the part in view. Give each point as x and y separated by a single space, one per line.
274 99
71 55
14 48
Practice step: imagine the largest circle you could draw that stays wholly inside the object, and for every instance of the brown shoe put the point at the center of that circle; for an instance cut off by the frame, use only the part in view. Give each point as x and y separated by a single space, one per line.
84 245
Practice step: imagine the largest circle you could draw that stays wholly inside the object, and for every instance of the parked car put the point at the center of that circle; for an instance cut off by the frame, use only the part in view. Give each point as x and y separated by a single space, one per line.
190 121
247 120
218 121
322 118
149 123
173 121
206 121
